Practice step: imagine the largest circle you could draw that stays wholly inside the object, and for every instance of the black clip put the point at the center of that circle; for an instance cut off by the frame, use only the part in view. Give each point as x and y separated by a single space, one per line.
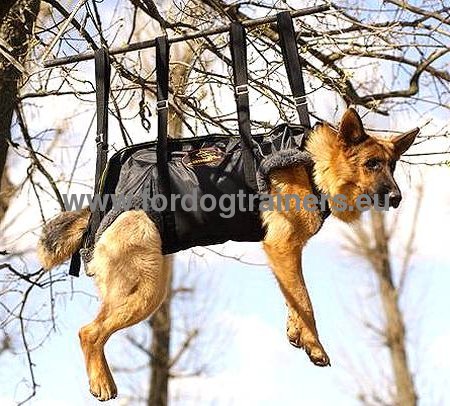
162 105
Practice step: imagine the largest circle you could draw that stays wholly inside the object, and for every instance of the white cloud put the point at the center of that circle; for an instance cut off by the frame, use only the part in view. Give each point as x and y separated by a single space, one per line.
264 370
438 352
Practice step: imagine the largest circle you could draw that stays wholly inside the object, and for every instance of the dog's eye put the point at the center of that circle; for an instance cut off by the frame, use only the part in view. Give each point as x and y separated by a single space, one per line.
373 164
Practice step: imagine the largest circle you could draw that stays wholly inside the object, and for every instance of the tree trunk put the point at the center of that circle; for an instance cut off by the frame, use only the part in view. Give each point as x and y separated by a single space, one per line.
160 324
395 326
5 7
16 26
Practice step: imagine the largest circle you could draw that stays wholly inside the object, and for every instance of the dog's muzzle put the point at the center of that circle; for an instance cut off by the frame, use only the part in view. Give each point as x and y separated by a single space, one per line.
395 198
392 197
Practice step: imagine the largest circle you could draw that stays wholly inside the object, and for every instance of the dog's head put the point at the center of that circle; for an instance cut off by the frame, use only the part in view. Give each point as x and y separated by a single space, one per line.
351 162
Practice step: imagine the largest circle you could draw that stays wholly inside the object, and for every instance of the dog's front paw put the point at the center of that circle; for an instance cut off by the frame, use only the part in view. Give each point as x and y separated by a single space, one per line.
317 355
300 338
103 387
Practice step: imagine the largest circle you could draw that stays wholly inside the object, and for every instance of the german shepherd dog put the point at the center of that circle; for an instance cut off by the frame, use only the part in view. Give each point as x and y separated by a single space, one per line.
132 273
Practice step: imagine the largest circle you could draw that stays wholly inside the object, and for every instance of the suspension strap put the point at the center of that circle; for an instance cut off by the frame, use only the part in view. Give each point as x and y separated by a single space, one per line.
162 153
239 61
293 63
162 108
102 82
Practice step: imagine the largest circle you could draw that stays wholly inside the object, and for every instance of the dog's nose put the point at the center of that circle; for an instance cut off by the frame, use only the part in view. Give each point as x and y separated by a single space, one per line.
394 199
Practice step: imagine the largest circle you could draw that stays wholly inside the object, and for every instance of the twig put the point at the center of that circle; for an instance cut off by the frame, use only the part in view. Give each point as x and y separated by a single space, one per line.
62 30
151 43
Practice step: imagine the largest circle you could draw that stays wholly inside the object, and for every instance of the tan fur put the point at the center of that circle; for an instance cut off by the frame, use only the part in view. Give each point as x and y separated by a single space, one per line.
132 275
128 268
287 233
338 170
68 241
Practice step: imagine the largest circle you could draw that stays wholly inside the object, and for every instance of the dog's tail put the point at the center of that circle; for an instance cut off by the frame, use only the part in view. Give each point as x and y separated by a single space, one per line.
61 237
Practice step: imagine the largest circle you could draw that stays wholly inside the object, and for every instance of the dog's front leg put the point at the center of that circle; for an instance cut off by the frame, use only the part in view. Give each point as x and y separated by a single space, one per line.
285 260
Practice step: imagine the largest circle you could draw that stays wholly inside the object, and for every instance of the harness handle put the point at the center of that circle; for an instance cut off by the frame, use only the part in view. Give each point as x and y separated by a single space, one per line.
102 86
293 63
239 62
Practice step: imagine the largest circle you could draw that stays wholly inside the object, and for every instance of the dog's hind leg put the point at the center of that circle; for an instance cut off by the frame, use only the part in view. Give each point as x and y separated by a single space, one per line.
284 252
129 270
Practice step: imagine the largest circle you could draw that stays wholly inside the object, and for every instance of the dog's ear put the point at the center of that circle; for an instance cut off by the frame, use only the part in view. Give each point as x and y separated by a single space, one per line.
351 130
402 142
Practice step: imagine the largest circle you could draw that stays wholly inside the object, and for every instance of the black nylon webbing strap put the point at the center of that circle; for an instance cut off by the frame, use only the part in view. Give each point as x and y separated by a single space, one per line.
293 64
162 107
75 264
102 81
239 60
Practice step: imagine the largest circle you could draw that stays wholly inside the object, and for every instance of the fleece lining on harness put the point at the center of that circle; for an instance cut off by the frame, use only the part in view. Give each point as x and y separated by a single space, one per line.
279 160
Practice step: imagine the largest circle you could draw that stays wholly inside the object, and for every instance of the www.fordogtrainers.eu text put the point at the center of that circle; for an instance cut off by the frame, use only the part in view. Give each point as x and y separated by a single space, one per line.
227 204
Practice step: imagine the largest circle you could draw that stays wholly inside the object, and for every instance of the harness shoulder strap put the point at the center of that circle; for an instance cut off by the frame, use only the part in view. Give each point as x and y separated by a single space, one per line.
293 63
239 61
102 81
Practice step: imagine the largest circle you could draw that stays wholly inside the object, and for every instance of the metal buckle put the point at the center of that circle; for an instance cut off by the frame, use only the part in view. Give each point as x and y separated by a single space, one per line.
241 89
300 100
162 104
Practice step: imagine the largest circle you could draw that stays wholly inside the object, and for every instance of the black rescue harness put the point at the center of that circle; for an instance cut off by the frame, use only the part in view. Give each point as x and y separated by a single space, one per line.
214 165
